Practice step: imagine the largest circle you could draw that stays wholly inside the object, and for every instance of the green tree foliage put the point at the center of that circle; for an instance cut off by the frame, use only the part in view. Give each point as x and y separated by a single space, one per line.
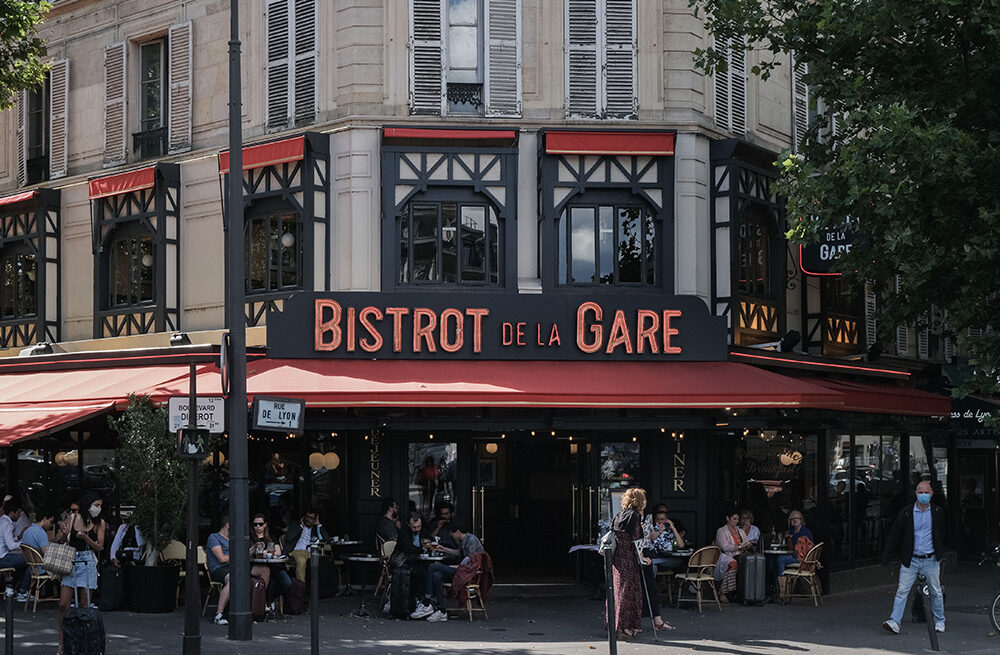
914 87
21 51
153 478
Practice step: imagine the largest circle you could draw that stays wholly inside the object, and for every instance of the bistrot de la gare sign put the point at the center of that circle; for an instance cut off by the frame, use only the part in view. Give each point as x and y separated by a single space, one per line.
466 325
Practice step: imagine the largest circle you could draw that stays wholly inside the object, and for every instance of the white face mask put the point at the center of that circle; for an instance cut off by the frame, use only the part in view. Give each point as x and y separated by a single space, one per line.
94 510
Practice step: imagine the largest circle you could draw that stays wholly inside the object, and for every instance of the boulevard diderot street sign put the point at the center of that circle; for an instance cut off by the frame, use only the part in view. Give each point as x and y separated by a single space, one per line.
211 413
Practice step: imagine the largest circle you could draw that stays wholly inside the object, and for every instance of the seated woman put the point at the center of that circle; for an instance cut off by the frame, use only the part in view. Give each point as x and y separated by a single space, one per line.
797 531
732 541
664 537
261 545
752 531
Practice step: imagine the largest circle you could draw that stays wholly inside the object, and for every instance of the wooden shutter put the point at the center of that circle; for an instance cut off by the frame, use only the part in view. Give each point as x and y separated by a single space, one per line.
427 90
722 95
582 70
503 58
620 59
22 139
58 111
924 338
179 98
305 62
738 88
278 72
871 326
800 105
902 332
115 123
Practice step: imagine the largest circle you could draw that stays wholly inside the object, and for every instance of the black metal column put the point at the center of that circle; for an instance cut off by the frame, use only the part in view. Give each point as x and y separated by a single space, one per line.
240 624
192 593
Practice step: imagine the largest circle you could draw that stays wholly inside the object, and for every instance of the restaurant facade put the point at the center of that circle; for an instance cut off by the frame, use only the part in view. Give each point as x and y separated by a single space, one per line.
505 285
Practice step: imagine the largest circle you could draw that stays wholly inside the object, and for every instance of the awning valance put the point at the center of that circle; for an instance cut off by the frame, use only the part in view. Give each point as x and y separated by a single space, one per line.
267 154
560 142
112 185
19 422
18 197
881 398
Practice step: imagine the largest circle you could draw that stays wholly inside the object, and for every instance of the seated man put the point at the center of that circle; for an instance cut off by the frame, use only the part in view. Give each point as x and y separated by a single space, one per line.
388 525
298 538
37 535
442 529
217 549
432 606
10 548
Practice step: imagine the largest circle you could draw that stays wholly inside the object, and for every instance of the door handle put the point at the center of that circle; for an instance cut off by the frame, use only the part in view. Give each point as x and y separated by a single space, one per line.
590 511
482 513
575 532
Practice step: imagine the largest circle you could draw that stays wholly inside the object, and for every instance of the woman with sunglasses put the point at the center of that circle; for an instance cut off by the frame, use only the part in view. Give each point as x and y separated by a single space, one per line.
261 546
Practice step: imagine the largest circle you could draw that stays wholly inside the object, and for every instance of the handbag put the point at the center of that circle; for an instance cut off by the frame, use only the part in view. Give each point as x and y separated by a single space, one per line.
58 559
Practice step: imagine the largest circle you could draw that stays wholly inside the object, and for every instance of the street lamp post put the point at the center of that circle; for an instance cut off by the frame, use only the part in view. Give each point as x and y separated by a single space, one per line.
240 624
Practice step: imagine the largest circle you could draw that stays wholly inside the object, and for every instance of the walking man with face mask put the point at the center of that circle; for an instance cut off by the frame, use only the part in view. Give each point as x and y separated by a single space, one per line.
917 537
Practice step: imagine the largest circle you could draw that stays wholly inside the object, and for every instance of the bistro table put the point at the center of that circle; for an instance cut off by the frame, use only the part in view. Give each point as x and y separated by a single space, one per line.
363 560
772 554
333 546
423 557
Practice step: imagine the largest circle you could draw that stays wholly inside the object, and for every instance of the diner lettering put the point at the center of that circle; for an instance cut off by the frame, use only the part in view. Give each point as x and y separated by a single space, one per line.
680 468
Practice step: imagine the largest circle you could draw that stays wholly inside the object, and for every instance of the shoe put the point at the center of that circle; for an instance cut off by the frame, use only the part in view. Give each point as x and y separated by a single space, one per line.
220 620
386 608
23 598
939 626
892 626
422 611
438 616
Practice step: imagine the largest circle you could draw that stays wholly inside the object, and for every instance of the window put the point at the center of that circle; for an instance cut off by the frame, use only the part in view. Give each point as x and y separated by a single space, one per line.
38 133
841 298
607 244
451 243
465 57
131 269
151 139
601 59
273 262
754 256
731 90
18 294
291 63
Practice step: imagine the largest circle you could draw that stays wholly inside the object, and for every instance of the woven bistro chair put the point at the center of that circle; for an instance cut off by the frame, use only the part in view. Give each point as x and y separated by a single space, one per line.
472 590
700 571
808 570
39 578
385 576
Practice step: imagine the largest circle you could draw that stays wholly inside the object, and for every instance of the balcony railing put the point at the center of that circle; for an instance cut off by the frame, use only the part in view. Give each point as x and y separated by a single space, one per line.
151 143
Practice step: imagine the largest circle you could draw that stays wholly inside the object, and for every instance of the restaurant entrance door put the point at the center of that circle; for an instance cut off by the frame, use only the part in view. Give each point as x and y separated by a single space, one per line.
977 502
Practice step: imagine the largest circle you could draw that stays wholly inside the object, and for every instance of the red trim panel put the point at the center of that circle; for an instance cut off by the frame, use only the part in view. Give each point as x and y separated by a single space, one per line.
20 197
112 185
829 367
447 135
810 272
267 154
20 422
887 398
609 143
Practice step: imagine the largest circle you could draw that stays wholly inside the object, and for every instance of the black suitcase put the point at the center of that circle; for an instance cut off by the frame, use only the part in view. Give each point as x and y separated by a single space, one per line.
401 601
751 579
258 598
111 594
83 629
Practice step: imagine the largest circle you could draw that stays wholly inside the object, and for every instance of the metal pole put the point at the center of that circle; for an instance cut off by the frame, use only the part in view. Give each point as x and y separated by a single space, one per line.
923 588
9 621
240 623
609 590
192 594
314 597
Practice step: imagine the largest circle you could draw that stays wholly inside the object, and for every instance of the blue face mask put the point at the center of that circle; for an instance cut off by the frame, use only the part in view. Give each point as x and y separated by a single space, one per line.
923 498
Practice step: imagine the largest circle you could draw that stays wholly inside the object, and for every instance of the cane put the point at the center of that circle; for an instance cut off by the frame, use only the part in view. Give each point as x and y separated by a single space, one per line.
645 589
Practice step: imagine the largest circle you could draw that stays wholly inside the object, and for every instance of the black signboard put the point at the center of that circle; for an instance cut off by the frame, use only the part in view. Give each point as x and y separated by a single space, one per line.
594 326
818 258
971 423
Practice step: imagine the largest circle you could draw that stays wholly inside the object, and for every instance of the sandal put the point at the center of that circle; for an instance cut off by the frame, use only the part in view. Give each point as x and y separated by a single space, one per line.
663 625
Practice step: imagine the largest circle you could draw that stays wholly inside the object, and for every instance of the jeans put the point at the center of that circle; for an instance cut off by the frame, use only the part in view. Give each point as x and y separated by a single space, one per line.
16 561
437 575
931 569
784 561
280 582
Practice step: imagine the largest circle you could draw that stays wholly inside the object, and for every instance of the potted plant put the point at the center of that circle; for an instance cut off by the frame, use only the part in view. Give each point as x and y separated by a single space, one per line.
153 480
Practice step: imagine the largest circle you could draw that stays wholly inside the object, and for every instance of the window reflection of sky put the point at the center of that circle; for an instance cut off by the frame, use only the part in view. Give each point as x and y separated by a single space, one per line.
582 226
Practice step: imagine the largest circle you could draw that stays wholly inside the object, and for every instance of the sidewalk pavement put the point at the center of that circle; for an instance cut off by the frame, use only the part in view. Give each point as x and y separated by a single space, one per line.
847 623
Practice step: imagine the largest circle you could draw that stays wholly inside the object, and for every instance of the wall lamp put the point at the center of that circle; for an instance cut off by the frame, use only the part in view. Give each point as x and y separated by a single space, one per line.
180 339
785 344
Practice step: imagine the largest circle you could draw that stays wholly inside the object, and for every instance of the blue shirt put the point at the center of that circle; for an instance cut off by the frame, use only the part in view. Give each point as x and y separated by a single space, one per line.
216 539
923 540
35 537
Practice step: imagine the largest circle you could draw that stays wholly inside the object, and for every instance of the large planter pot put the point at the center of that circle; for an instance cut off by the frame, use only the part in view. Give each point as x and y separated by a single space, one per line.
153 589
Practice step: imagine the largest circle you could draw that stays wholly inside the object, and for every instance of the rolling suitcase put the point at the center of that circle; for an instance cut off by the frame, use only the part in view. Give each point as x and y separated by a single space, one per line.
83 629
752 580
258 598
401 601
111 594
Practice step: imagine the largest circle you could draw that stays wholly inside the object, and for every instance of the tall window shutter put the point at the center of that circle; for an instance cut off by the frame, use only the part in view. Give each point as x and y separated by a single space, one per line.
975 333
427 94
278 73
305 61
902 332
620 59
871 326
924 340
179 68
738 86
800 105
722 99
503 58
948 349
58 111
22 139
582 70
115 123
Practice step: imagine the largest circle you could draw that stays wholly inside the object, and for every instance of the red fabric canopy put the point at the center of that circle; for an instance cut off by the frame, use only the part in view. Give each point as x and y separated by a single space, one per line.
267 154
112 185
887 398
85 385
447 135
19 422
419 383
609 143
18 197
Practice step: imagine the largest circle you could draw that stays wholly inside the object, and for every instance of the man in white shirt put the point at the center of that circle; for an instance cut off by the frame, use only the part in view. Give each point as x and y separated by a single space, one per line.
128 544
298 538
10 548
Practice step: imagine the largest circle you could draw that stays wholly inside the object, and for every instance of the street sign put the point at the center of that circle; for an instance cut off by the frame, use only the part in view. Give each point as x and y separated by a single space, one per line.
279 414
193 443
211 414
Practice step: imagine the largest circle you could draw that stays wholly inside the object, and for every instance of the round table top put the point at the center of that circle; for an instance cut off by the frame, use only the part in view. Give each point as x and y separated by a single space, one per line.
269 560
362 558
778 551
341 542
431 558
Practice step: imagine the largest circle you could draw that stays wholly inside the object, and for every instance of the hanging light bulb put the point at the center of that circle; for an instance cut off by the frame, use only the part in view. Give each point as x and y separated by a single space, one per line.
287 239
331 461
491 448
147 260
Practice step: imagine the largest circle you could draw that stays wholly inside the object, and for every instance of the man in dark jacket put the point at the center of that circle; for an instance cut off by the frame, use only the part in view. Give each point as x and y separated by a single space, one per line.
299 537
917 537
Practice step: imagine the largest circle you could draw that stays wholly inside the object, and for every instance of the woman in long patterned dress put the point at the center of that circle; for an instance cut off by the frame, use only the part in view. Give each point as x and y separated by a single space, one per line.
626 575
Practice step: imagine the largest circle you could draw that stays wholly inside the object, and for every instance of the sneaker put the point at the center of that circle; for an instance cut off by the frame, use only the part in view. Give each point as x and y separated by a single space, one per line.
23 598
892 626
422 611
438 616
939 626
220 620
386 607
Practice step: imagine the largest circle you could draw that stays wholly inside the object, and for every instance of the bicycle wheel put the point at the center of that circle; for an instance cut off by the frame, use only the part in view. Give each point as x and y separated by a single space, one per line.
995 613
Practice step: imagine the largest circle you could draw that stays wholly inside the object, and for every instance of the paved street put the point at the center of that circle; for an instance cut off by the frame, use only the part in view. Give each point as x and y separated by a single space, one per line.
846 623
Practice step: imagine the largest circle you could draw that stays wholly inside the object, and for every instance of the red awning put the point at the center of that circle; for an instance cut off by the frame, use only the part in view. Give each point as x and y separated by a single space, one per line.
85 385
267 154
417 383
18 197
20 422
112 185
432 134
886 398
609 143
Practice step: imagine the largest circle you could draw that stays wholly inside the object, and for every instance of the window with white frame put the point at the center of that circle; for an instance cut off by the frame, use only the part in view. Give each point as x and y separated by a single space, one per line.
41 127
18 271
151 139
731 91
465 57
601 59
291 63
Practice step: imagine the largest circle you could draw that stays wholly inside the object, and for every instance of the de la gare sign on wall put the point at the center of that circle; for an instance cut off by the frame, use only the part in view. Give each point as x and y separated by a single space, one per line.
466 325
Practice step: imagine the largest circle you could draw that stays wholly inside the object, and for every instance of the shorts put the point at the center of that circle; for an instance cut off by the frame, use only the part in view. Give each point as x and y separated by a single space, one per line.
219 574
84 573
